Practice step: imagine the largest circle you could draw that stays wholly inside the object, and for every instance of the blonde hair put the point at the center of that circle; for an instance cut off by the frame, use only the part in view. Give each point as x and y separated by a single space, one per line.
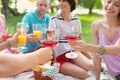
47 0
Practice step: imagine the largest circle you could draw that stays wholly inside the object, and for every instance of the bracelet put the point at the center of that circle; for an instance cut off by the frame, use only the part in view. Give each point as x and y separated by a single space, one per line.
8 43
102 50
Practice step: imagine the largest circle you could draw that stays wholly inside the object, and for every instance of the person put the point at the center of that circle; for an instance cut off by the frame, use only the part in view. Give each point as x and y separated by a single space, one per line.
101 33
79 66
2 23
12 64
3 33
38 16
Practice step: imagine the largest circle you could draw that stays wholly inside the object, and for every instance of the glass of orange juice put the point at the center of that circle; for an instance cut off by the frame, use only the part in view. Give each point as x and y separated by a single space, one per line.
37 30
22 38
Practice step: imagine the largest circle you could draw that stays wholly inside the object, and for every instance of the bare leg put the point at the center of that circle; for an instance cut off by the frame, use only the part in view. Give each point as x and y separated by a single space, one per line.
83 62
71 69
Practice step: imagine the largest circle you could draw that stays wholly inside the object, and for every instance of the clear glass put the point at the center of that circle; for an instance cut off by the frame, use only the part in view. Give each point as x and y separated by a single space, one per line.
37 30
50 40
22 37
71 33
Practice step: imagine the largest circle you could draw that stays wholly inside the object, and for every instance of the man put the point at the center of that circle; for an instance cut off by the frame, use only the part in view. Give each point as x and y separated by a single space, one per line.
40 17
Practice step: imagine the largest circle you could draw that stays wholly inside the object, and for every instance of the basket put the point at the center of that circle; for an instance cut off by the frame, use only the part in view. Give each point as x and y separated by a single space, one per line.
38 74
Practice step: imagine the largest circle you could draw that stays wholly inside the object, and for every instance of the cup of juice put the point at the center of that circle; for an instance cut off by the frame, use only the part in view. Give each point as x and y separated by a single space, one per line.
22 40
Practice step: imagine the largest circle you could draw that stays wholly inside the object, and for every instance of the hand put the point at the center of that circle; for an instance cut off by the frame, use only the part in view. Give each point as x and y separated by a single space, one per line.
13 39
44 55
32 38
79 45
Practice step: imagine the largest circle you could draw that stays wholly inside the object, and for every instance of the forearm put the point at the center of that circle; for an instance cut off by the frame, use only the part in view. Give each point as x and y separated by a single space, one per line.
113 50
3 45
7 44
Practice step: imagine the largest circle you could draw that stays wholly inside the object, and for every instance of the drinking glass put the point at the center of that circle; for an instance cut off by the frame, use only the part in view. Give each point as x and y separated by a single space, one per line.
71 33
22 38
51 38
37 30
8 33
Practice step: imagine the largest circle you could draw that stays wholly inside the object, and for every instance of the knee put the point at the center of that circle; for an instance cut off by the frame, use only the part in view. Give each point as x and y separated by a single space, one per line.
83 75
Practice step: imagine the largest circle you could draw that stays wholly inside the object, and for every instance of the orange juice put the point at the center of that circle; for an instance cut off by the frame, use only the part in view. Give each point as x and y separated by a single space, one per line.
22 40
38 34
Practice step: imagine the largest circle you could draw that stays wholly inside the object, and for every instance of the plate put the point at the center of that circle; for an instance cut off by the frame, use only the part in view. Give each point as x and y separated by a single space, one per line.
71 55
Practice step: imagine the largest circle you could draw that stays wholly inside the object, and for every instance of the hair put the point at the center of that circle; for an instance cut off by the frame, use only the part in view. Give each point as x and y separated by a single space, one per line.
47 0
72 4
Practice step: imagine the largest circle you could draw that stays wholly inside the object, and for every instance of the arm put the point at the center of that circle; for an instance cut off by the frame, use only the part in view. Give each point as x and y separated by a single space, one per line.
113 50
12 64
12 41
96 58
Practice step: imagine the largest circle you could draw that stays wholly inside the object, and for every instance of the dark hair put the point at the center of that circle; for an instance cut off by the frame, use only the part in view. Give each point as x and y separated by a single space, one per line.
119 15
72 4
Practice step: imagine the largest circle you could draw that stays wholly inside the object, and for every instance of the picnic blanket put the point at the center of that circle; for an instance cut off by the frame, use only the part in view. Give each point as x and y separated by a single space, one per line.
30 76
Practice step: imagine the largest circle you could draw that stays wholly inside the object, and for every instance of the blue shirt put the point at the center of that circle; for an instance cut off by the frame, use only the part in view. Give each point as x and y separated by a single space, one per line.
33 18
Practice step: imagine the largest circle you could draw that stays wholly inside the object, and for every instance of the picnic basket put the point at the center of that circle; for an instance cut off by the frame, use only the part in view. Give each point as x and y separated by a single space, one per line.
38 73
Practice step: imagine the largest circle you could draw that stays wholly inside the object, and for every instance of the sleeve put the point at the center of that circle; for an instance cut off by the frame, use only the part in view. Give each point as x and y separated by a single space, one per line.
80 27
52 25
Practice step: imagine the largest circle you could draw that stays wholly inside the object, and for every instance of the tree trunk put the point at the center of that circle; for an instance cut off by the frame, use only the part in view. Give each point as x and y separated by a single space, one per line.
6 9
92 3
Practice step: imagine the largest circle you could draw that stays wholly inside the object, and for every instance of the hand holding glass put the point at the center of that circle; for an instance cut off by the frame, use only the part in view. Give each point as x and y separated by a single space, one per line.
71 34
37 31
22 38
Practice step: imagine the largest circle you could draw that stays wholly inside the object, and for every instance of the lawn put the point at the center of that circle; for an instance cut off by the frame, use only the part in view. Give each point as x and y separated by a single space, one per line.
86 21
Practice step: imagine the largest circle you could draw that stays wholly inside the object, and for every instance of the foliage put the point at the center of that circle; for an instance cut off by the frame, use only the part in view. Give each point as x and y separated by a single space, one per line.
32 0
86 21
98 4
90 4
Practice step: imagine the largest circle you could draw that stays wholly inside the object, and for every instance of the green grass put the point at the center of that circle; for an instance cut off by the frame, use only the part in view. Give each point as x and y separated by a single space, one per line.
86 21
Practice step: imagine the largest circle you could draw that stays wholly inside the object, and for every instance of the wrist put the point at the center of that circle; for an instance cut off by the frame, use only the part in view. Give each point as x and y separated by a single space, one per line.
101 50
8 43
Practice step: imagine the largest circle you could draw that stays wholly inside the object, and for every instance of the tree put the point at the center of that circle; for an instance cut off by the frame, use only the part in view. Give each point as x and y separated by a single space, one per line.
6 9
90 4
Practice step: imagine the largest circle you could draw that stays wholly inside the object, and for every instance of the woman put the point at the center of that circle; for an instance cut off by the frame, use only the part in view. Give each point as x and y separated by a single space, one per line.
12 64
79 66
107 32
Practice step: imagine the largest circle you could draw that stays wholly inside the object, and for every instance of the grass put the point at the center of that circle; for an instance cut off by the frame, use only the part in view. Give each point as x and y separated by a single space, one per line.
86 21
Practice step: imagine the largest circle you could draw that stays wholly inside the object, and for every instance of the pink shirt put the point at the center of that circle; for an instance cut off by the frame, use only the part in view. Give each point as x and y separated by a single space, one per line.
2 28
111 61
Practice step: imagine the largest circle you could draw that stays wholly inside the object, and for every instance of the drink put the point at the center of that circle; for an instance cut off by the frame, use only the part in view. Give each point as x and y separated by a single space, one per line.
6 36
38 34
49 43
71 54
50 32
22 40
71 38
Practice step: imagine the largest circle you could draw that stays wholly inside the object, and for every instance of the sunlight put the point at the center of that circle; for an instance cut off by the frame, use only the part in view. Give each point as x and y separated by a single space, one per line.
24 6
